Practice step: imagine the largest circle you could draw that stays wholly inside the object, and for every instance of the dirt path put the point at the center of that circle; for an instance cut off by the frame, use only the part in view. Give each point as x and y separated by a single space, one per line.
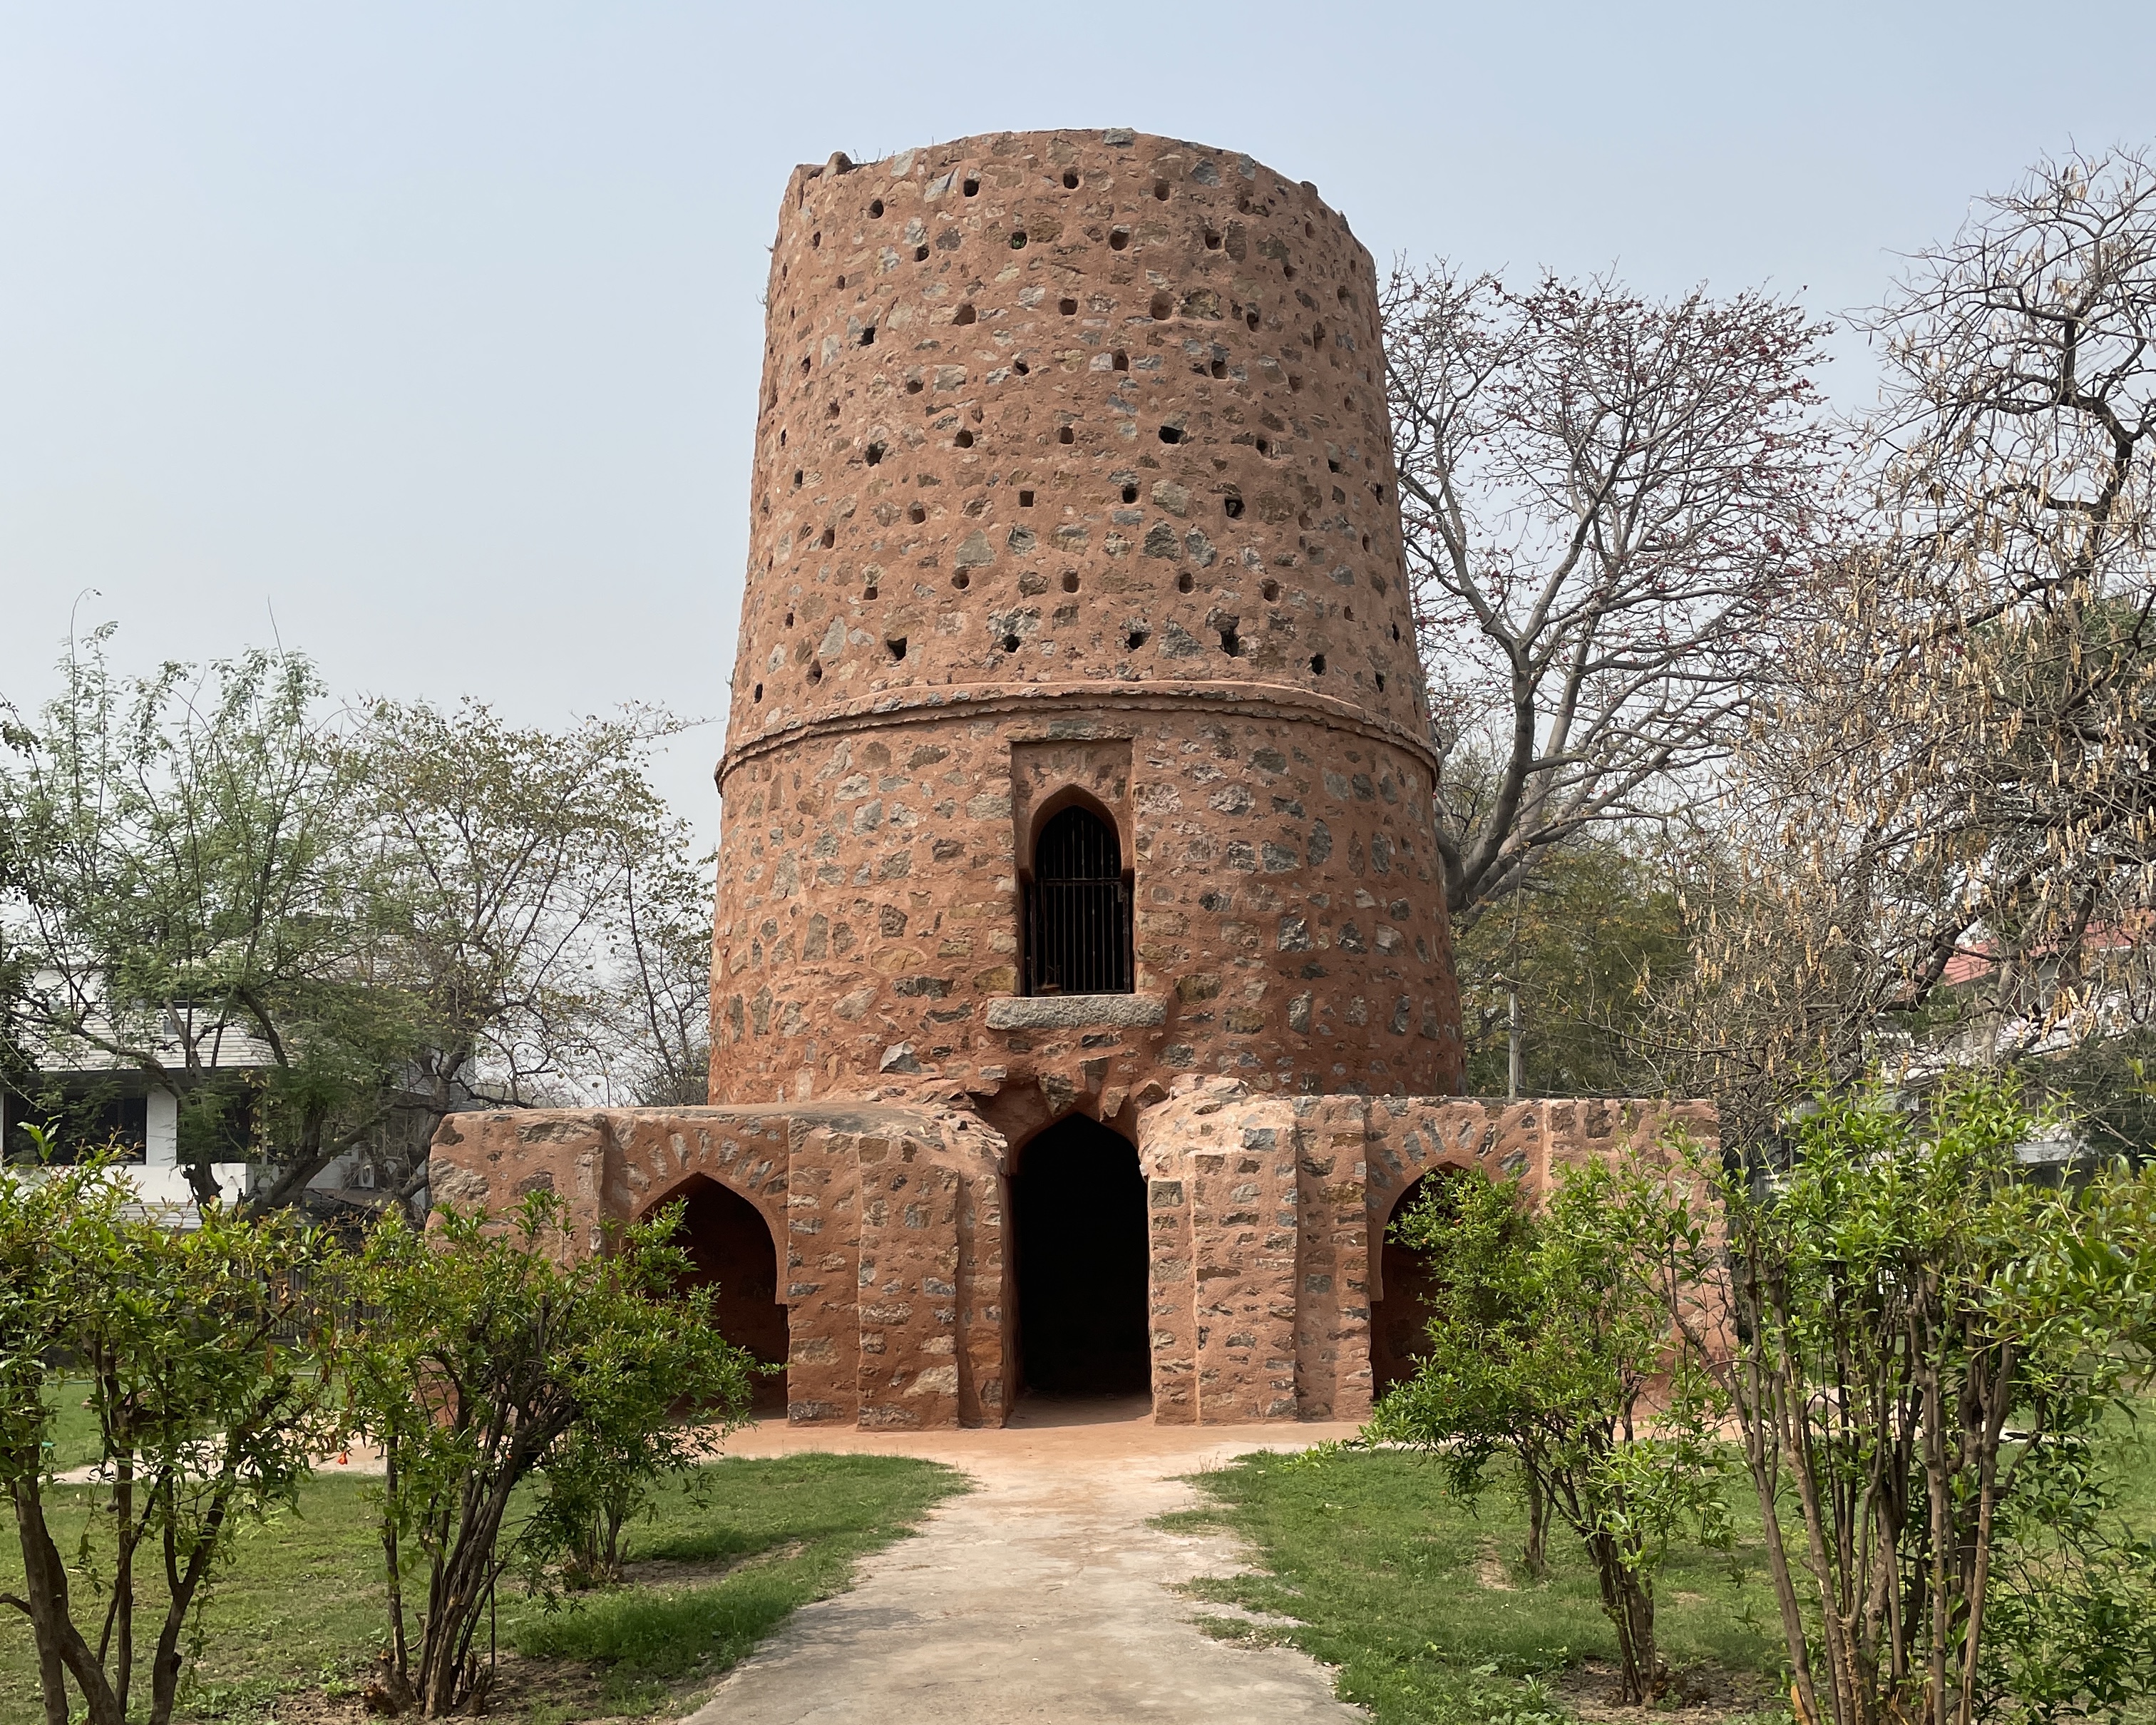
1042 1595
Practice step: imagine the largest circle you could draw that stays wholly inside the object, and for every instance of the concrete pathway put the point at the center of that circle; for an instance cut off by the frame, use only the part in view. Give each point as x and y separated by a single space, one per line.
1041 1595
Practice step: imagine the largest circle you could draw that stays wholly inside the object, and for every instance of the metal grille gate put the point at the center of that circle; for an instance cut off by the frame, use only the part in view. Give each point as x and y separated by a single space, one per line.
1077 909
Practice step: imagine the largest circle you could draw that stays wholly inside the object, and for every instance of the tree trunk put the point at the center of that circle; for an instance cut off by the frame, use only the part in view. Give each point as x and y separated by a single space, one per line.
1538 1553
60 1644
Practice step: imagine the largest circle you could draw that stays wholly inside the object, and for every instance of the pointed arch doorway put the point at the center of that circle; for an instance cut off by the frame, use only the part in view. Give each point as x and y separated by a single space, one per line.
729 1242
1079 1205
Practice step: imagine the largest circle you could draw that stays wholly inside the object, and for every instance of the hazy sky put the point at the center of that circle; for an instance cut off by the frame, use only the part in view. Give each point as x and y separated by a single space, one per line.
433 329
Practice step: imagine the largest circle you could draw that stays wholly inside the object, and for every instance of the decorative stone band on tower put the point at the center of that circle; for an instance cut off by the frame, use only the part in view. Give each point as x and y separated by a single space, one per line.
1082 998
1074 480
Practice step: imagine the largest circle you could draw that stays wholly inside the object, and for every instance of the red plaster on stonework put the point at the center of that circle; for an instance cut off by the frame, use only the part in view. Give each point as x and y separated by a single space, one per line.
983 585
953 618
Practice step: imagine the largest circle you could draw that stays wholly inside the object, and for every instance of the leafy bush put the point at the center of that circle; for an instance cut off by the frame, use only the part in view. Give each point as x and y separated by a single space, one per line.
206 1415
1927 1344
1555 1330
505 1349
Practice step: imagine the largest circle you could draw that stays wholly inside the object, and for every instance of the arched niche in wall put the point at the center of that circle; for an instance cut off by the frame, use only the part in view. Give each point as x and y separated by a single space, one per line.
1077 937
730 1244
1410 1278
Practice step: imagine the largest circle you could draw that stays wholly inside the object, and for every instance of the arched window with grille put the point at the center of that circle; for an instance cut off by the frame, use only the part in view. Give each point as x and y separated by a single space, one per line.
1077 908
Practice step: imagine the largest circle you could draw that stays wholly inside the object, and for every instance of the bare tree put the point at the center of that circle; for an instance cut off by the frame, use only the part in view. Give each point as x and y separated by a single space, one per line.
1611 503
1950 807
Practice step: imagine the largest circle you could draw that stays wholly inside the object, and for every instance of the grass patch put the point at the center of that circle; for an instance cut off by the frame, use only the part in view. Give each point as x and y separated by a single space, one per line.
1420 1601
301 1613
791 1528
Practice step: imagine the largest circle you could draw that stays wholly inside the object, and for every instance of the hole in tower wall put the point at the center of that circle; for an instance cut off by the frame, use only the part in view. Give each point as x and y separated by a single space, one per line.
1068 307
1119 360
1018 240
758 695
1118 239
1183 584
868 336
1066 436
1010 643
1212 240
870 591
1070 181
1270 590
1219 368
1230 642
920 255
915 514
1162 307
1381 682
1135 639
1021 368
1171 433
914 385
1071 581
961 580
1231 505
1129 494
964 440
963 315
1160 189
972 187
815 671
1025 499
875 208
1317 662
874 454
896 648
830 537
1250 317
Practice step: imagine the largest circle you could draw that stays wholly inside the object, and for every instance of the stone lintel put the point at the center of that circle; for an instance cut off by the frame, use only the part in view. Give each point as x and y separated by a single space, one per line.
1075 1012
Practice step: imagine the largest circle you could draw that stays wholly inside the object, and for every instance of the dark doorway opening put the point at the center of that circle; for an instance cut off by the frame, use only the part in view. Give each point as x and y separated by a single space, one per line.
1077 908
729 1243
1079 1204
1413 1280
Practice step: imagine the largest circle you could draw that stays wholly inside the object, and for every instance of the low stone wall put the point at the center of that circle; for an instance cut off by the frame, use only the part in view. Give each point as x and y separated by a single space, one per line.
887 1223
1266 1216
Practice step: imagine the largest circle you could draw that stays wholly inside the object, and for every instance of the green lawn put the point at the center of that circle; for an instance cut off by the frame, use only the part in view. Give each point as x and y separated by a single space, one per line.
1419 1600
301 1612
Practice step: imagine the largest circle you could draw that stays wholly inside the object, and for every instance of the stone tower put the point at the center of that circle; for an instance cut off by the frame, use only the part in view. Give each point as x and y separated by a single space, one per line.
1081 995
1074 485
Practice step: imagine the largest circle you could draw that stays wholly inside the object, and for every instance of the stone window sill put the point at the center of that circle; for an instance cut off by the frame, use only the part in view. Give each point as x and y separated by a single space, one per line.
1075 1012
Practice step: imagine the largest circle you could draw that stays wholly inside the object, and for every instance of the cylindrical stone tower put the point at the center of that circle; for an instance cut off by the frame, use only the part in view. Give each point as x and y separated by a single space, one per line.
1074 490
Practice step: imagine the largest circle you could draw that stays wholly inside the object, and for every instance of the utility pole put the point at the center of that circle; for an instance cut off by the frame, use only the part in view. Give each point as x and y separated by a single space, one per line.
1513 1065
